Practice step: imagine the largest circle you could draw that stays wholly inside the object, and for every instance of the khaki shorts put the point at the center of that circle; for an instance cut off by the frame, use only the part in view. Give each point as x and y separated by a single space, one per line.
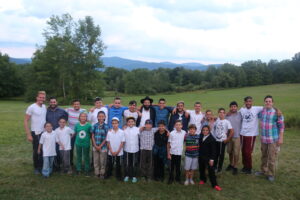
234 146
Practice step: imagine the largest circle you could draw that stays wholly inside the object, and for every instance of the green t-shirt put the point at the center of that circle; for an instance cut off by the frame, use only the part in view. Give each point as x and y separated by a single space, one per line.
83 134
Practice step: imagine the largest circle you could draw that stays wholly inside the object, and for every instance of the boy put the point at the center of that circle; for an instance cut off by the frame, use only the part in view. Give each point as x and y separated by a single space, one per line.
131 112
93 114
208 120
175 147
131 150
146 146
162 112
115 141
99 133
234 146
191 154
160 151
207 154
221 129
48 144
196 116
181 115
63 137
116 110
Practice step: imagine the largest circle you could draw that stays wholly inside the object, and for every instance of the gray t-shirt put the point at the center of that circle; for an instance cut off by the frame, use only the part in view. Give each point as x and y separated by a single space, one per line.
236 123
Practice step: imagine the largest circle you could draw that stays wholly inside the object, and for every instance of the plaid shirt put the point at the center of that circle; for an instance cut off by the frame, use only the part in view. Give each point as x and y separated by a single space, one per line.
147 139
100 133
270 125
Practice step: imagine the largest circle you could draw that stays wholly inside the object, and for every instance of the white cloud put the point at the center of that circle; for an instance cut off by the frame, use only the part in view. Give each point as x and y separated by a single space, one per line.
208 31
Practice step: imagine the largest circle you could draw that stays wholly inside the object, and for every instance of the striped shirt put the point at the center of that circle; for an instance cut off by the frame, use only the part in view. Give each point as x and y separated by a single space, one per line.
100 133
192 145
73 116
270 125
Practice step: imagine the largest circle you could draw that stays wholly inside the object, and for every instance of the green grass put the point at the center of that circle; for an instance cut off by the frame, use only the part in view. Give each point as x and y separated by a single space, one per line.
17 180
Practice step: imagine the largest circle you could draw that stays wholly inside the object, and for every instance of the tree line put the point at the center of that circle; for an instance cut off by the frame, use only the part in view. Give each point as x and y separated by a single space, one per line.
68 66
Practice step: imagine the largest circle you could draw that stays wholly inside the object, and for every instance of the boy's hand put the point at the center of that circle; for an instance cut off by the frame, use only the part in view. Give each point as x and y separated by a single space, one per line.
29 138
92 109
211 163
62 147
169 156
174 111
226 141
280 141
39 151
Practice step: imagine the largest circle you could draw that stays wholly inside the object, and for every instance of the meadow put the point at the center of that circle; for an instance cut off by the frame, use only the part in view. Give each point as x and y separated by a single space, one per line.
17 180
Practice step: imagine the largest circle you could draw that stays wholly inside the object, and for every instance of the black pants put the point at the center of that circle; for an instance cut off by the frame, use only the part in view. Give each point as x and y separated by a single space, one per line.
159 167
220 153
204 164
37 158
146 163
72 149
130 164
111 160
175 163
57 159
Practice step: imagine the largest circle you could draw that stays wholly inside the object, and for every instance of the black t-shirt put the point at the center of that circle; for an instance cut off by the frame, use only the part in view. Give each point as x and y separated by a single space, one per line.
160 139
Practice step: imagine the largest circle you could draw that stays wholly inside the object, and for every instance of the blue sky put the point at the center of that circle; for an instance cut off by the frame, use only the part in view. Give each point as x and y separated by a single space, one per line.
215 31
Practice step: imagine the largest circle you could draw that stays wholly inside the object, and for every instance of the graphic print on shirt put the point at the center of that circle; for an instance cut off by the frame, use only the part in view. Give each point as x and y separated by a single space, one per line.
219 129
248 117
82 134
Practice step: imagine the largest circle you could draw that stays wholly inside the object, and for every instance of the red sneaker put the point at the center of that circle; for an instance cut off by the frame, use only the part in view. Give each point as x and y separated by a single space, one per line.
201 182
218 188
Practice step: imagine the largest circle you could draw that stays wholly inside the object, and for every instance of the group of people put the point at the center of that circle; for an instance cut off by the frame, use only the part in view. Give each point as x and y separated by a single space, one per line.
151 138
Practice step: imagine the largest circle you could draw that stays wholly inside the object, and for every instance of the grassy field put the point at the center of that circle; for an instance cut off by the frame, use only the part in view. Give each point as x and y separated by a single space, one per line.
17 180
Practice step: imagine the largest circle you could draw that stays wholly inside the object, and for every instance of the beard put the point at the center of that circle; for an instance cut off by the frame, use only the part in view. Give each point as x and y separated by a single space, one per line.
146 107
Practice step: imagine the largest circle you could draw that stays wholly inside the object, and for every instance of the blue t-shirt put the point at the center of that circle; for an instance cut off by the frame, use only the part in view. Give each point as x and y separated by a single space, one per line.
115 112
162 114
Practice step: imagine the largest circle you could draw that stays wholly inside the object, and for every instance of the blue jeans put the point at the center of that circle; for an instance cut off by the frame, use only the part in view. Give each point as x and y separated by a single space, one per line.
47 165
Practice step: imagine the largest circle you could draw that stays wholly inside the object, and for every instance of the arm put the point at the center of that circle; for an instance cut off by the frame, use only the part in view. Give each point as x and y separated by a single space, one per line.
27 130
94 142
120 148
39 148
109 148
168 150
231 132
212 155
280 125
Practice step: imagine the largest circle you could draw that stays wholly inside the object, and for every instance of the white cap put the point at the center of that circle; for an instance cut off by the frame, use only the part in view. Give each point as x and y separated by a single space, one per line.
115 118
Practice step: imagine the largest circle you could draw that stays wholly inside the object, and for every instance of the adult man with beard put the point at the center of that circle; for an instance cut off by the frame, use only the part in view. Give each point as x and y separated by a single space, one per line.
147 112
53 115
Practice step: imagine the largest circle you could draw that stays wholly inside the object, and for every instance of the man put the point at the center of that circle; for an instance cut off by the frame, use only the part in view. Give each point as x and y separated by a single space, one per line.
92 116
249 131
116 110
162 112
196 116
36 113
179 114
146 112
234 145
73 115
271 130
53 115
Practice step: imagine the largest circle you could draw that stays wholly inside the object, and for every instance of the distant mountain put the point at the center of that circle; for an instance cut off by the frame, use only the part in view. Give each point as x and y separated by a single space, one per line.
20 61
129 64
135 64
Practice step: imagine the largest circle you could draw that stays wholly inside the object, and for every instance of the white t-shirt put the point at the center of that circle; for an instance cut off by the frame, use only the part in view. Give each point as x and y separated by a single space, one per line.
145 116
115 139
38 117
64 136
250 120
93 116
131 139
127 114
48 140
176 140
221 128
196 119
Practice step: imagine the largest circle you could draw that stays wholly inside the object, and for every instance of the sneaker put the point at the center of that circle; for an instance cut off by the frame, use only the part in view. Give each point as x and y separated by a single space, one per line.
234 171
218 188
246 171
126 179
186 182
229 167
259 174
134 180
192 182
271 178
201 182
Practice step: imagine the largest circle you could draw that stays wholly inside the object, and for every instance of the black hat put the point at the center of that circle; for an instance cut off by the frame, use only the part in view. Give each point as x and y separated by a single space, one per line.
146 98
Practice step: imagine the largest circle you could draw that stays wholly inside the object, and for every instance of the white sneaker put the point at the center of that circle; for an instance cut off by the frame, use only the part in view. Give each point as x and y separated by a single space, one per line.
192 182
186 182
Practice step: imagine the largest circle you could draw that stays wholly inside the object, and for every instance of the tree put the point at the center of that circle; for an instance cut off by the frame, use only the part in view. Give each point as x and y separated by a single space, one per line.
11 82
66 66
